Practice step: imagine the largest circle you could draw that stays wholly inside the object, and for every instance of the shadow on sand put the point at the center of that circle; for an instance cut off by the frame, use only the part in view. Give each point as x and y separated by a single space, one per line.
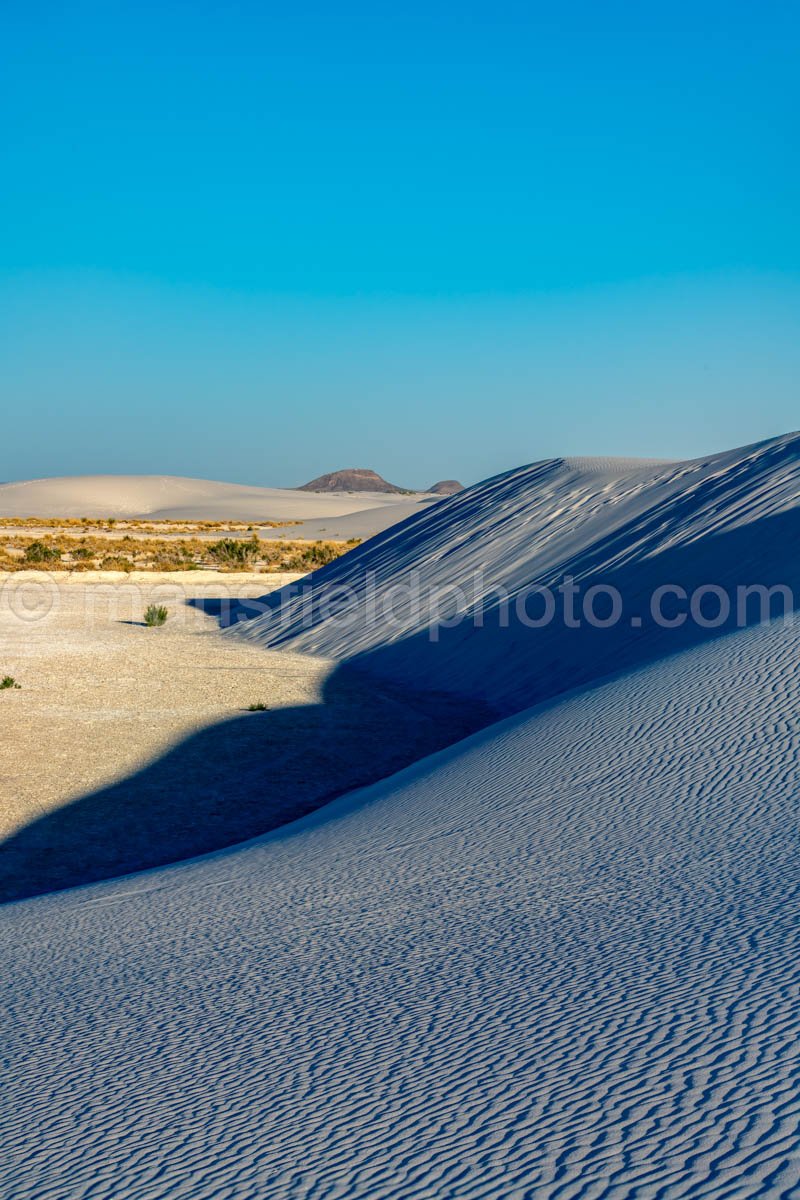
232 781
510 664
254 772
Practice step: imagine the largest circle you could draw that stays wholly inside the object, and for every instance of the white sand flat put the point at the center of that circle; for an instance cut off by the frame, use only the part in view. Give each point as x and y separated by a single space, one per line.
127 747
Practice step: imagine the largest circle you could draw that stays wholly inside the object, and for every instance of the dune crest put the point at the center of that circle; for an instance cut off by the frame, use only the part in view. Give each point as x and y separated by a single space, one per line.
720 520
175 498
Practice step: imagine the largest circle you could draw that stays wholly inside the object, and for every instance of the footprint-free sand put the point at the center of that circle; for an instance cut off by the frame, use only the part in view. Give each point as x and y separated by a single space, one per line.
127 746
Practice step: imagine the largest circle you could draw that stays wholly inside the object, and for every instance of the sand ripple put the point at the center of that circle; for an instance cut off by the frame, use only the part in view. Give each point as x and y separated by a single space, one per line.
561 959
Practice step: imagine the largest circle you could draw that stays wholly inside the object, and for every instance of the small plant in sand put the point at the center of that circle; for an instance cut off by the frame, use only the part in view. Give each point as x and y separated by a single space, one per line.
8 681
40 552
155 614
258 707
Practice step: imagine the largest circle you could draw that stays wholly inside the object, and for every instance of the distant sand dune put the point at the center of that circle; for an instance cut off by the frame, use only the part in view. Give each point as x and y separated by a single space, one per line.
363 524
175 498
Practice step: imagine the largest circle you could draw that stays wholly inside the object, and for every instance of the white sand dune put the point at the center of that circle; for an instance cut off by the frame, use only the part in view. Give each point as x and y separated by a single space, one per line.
558 959
363 524
723 520
175 498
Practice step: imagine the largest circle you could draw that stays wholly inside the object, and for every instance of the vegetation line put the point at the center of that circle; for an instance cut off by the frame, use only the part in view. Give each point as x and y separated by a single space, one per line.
60 552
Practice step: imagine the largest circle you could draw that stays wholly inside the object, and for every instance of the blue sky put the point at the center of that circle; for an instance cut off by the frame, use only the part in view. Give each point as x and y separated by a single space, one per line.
255 242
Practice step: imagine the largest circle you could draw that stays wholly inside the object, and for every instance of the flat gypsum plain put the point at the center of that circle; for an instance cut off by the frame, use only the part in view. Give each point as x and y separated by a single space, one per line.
126 747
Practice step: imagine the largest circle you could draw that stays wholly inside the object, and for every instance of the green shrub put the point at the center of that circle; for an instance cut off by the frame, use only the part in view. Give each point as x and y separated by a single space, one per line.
8 681
117 562
155 614
258 707
235 553
40 552
319 554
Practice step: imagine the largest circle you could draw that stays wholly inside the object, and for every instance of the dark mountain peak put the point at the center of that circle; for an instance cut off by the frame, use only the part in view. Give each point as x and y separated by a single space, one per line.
353 479
446 487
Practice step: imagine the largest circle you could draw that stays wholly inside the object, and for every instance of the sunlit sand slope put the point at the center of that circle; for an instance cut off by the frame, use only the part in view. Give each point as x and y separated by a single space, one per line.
560 959
727 520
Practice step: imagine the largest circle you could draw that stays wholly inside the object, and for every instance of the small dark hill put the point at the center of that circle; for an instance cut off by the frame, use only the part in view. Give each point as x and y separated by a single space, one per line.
354 479
446 487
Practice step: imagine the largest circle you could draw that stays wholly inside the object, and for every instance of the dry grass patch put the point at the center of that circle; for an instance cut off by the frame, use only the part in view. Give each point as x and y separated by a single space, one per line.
62 552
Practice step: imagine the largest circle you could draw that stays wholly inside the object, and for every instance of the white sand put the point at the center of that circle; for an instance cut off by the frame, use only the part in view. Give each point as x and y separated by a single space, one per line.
362 525
722 520
127 746
175 498
560 959
101 694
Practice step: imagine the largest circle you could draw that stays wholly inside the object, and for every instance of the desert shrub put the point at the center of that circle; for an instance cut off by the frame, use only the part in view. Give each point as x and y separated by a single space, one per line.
174 564
168 557
8 681
323 553
319 554
301 556
155 614
234 553
258 707
117 562
40 552
82 553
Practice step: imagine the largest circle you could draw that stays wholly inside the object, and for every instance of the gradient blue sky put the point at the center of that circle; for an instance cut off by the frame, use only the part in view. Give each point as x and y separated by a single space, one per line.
256 242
